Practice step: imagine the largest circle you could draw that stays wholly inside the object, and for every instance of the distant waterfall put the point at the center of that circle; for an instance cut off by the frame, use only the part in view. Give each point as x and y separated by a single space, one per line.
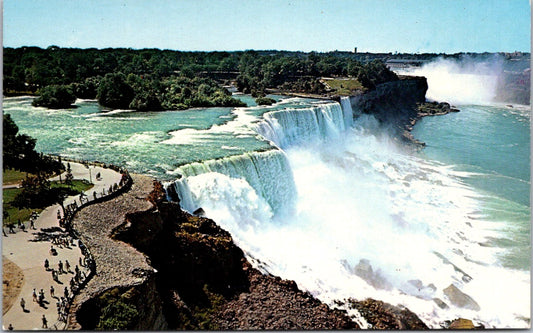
268 173
347 111
292 127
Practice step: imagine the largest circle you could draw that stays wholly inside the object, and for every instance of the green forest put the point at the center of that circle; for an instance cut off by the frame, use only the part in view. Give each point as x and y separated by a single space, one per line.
153 79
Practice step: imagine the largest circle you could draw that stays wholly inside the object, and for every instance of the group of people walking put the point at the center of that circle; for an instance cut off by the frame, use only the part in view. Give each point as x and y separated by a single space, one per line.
79 277
21 226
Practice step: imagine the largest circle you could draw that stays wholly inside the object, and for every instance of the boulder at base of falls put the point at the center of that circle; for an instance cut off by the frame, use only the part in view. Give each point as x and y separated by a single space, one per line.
364 270
199 212
460 299
385 316
461 324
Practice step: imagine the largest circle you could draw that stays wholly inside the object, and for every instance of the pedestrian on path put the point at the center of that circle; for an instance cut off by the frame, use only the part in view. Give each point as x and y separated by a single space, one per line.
10 327
60 267
32 224
11 229
23 304
45 322
52 291
54 277
66 292
34 295
46 264
41 298
67 266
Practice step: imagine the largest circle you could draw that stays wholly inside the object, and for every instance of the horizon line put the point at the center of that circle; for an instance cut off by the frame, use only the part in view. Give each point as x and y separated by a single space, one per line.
260 50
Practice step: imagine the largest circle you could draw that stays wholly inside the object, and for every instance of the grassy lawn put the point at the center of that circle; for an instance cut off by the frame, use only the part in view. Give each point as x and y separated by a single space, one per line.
16 214
344 87
11 176
78 185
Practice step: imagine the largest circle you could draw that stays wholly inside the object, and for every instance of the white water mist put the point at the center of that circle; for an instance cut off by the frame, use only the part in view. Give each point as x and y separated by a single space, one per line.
462 81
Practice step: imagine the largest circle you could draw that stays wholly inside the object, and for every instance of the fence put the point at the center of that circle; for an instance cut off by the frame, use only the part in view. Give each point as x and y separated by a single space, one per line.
67 223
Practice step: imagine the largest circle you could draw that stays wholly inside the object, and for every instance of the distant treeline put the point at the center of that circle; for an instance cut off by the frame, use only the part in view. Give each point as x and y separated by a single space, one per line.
153 79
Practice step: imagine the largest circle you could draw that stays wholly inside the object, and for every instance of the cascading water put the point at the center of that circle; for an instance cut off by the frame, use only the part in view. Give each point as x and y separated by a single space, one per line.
344 212
292 127
267 173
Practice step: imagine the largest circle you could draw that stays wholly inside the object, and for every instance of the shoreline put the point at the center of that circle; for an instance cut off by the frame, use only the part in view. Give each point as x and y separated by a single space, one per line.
431 109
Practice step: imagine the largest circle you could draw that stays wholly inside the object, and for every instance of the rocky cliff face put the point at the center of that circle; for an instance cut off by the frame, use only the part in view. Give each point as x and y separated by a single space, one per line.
394 104
183 272
205 281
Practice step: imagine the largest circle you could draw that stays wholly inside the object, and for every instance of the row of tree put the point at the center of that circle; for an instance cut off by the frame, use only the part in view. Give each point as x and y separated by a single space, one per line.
139 92
152 79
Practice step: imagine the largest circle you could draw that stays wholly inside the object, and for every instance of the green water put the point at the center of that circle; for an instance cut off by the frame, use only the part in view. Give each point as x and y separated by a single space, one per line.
491 144
133 139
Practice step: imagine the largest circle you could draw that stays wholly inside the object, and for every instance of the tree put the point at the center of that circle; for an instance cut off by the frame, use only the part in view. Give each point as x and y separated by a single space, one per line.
34 192
19 150
86 89
114 92
55 97
265 101
69 177
20 154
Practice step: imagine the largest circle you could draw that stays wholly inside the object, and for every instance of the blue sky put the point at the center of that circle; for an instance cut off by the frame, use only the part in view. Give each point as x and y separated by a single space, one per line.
313 25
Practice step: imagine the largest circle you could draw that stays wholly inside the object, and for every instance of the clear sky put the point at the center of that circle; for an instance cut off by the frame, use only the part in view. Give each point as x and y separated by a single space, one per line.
307 25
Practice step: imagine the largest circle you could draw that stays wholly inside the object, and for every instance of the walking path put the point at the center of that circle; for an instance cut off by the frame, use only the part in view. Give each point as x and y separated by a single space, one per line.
29 249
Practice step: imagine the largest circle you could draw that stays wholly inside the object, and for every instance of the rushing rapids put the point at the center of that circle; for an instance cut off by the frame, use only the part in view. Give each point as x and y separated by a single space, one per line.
346 212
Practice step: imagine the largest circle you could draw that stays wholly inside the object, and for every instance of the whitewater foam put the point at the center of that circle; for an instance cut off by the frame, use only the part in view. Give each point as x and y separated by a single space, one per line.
368 220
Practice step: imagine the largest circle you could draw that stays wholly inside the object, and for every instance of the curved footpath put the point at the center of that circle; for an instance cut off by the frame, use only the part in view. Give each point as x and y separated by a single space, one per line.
29 249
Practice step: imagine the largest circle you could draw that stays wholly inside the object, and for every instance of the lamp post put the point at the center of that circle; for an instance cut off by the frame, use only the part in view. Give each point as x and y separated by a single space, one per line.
88 166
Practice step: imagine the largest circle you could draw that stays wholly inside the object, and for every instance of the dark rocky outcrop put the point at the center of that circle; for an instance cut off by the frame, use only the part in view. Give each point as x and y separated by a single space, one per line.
393 103
386 316
397 105
207 283
185 274
461 324
460 299
434 109
272 303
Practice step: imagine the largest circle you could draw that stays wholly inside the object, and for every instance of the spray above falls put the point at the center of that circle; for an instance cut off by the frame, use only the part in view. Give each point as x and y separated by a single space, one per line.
462 81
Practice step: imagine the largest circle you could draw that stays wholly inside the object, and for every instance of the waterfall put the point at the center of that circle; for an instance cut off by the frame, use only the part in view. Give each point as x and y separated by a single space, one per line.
347 111
268 173
292 127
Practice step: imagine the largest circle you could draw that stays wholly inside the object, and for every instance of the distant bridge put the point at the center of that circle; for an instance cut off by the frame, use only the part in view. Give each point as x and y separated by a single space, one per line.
404 63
